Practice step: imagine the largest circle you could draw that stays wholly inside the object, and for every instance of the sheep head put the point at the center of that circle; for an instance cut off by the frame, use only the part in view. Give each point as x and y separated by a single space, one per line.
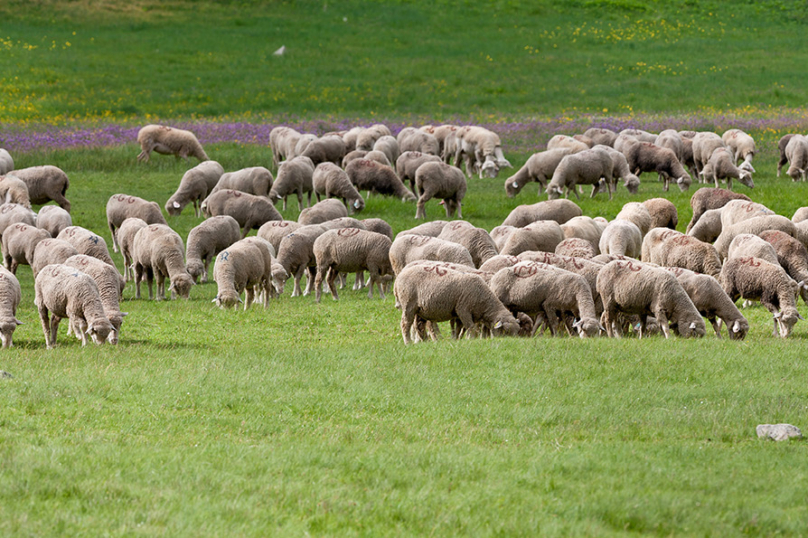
745 177
99 331
6 330
588 327
738 329
632 184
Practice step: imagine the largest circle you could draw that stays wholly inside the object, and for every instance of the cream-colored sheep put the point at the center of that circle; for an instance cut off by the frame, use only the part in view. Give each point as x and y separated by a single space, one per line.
169 141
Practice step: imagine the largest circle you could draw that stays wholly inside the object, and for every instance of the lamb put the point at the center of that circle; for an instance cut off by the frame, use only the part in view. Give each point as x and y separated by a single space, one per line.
639 134
241 266
484 147
752 226
125 236
674 249
388 146
374 177
330 180
577 248
605 137
568 143
736 211
646 157
6 162
558 210
443 295
432 228
10 296
704 144
168 141
588 167
50 251
791 255
663 213
476 240
110 288
19 242
15 213
544 235
742 146
194 187
709 227
250 211
14 190
368 137
209 238
750 245
322 211
275 230
351 250
585 228
797 155
539 168
540 289
296 255
782 144
409 248
328 149
644 290
122 206
256 180
722 166
756 279
294 177
638 214
282 140
158 254
45 183
440 180
709 198
409 162
54 219
712 303
417 140
621 237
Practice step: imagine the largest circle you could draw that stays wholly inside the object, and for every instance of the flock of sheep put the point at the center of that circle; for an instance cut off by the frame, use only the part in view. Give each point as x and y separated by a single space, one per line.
546 267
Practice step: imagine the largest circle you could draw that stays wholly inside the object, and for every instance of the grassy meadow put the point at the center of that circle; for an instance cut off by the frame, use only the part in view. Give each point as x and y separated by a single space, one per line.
315 418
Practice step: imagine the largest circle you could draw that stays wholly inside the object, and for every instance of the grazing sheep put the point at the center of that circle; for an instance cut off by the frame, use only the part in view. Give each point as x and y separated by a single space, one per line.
14 190
158 254
65 292
585 228
408 163
355 154
742 146
663 213
342 222
331 181
19 242
294 177
647 157
544 235
605 137
758 280
296 255
539 168
122 206
577 248
704 144
441 133
736 211
752 246
50 251
476 240
481 148
620 170
710 198
6 162
709 227
388 145
409 248
168 141
639 134
722 166
558 210
282 140
275 230
10 296
633 288
638 214
432 228
351 250
440 180
377 178
239 267
441 294
302 143
368 137
621 237
568 143
350 138
791 255
670 248
712 302
327 149
379 226
194 187
752 226
589 269
417 140
782 144
797 155
379 157
45 183
110 287
671 139
256 180
54 219
588 167
500 235
209 238
274 275
322 211
125 235
14 214
250 211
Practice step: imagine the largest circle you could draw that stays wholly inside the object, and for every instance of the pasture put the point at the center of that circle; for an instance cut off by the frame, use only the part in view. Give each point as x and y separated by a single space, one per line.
314 418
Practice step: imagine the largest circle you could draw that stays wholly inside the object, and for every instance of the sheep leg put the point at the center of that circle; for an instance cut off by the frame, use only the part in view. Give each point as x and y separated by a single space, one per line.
359 281
330 279
54 329
250 297
318 282
783 160
298 276
43 318
114 241
716 326
662 319
407 318
420 209
138 277
552 320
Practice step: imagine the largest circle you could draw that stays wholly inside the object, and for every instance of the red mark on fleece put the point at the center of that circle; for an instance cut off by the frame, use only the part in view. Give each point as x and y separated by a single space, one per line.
236 193
348 232
419 241
750 261
154 228
440 271
629 265
525 271
682 240
6 208
749 206
20 226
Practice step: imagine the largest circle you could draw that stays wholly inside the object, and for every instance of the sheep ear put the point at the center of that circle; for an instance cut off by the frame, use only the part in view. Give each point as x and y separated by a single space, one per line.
215 299
515 185
18 322
89 328
176 205
356 204
601 328
737 327
498 325
680 180
800 317
777 315
577 324
124 314
801 283
693 325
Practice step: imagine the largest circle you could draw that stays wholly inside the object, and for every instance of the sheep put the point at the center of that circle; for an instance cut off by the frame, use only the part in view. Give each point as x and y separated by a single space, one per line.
122 206
638 214
378 178
742 146
368 137
351 250
296 255
255 180
632 288
801 232
388 146
441 133
66 292
568 143
409 248
752 226
168 141
6 162
125 235
588 167
797 155
539 168
432 228
589 269
500 235
15 213
355 154
342 222
621 170
301 145
646 157
484 147
275 230
540 289
209 238
688 134
791 255
585 228
736 211
712 302
495 263
54 219
274 275
294 177
605 137
440 180
750 245
782 144
110 287
476 240
50 251
756 279
575 247
621 237
541 235
709 227
558 210
417 140
704 144
250 211
350 138
158 254
674 249
408 163
240 266
800 215
379 157
322 211
671 139
639 134
721 166
19 242
45 183
327 149
663 213
709 198
330 180
194 187
441 294
14 190
379 226
282 140
10 296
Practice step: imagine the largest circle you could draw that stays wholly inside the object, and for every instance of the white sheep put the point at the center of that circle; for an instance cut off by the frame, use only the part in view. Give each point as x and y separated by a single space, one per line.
481 148
797 155
50 251
742 146
10 296
440 180
409 162
351 250
476 240
158 254
588 167
110 288
663 213
237 268
322 211
567 142
558 210
792 256
123 206
750 245
14 190
45 183
275 230
296 255
6 162
389 147
544 235
282 140
601 136
327 149
194 187
125 235
638 214
19 242
377 178
539 168
722 166
206 240
168 141
755 226
410 247
710 198
15 213
54 219
411 139
294 177
331 181
621 237
250 211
